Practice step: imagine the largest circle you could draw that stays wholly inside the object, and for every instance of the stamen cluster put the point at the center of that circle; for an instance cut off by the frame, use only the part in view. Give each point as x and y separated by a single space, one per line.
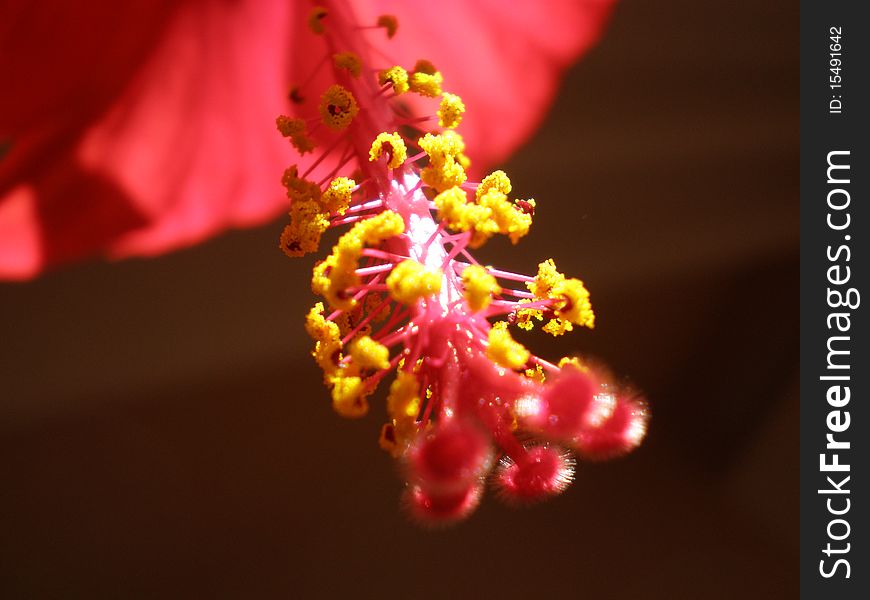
403 295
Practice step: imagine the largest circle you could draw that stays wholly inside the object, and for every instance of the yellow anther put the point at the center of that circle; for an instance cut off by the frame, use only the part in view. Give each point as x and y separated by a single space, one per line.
451 205
338 107
573 363
299 189
461 215
497 180
443 176
382 226
425 66
366 353
536 374
425 79
393 146
348 61
397 76
288 126
404 398
576 306
337 196
403 406
480 287
504 350
320 275
510 220
557 327
318 327
295 95
572 306
334 276
327 347
390 23
547 277
527 316
315 19
348 397
294 129
443 171
463 160
442 147
450 111
409 281
387 440
307 224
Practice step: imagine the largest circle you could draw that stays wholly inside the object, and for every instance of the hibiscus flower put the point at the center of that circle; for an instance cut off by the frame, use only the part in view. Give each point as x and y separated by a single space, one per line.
384 158
134 128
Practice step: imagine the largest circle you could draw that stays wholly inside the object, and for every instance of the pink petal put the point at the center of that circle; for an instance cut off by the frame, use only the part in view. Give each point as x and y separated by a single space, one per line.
504 59
140 130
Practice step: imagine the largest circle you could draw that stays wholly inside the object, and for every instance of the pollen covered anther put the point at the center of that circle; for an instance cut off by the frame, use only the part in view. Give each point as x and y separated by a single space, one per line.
504 350
348 61
337 197
393 146
480 287
369 354
390 24
315 20
397 77
338 107
295 130
410 281
450 110
425 79
349 397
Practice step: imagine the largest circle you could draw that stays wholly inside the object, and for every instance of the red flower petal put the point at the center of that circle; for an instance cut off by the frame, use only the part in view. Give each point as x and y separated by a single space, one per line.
140 128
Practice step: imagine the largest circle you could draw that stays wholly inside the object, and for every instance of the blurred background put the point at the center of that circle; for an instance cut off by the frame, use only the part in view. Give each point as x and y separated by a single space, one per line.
164 433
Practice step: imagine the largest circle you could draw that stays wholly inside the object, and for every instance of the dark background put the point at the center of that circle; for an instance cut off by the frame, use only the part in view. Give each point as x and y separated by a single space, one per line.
163 432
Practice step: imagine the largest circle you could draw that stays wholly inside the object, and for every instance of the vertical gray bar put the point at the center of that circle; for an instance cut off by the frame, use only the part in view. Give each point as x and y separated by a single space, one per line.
835 368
